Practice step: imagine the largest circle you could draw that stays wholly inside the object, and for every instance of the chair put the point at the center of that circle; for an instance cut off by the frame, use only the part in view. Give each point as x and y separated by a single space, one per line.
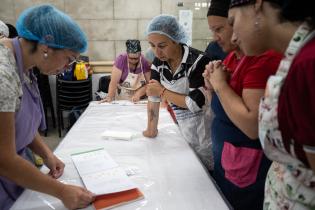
71 95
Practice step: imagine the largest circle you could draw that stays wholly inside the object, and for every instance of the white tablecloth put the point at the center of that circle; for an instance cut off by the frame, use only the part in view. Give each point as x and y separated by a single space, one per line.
165 168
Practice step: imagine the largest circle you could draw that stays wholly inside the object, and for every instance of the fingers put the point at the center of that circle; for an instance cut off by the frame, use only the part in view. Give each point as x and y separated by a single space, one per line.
58 172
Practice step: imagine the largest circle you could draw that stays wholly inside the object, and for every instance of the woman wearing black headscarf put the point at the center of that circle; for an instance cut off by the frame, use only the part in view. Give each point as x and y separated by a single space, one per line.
131 71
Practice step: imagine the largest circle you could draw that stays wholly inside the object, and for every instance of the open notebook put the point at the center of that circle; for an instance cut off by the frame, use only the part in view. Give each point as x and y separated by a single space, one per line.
102 176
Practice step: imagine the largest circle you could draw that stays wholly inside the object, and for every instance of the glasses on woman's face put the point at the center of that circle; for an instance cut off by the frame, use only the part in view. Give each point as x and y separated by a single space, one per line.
133 57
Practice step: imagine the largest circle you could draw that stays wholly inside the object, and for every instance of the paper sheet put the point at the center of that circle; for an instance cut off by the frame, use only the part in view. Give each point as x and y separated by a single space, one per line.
100 173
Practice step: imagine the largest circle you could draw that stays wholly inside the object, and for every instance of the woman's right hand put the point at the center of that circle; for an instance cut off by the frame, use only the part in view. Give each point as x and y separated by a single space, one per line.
150 133
74 197
106 99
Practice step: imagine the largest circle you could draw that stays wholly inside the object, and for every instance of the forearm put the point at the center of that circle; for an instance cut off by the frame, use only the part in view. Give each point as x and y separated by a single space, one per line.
236 109
23 173
311 159
39 147
175 98
15 168
112 90
153 115
141 91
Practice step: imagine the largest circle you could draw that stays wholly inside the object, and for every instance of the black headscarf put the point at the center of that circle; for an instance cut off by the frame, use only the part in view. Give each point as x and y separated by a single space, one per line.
133 46
219 8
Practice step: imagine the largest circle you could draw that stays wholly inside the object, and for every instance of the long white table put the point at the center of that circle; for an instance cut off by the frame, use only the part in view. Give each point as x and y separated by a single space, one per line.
165 168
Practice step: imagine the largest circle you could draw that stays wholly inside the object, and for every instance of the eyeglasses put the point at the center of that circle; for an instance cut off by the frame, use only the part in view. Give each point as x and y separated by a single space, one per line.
133 58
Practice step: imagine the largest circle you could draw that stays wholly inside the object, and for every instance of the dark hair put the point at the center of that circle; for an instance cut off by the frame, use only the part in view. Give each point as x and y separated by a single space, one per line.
12 31
219 8
34 45
302 10
290 10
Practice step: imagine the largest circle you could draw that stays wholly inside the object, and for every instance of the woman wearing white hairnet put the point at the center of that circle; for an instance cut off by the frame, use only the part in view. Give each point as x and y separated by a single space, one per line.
49 40
177 78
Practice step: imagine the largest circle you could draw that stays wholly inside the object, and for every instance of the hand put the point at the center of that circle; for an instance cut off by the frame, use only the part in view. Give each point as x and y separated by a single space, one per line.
218 74
106 99
150 134
206 77
135 98
154 88
74 197
55 165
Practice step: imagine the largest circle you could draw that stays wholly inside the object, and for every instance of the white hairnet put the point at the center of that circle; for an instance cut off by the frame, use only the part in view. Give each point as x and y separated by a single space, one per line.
167 25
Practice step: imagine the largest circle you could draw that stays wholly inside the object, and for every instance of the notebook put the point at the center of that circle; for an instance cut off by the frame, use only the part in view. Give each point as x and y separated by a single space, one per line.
105 178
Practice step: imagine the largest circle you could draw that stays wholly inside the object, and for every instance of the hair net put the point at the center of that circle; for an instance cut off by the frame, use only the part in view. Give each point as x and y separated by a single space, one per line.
48 25
133 46
167 25
4 30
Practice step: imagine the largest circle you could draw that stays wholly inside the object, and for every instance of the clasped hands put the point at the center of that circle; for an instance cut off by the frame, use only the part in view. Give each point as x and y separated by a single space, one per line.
215 75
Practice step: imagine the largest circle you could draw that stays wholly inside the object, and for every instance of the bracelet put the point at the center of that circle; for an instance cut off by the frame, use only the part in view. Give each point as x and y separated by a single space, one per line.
162 92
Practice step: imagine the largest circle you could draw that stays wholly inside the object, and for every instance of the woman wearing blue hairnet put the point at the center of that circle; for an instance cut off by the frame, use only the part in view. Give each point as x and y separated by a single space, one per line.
49 40
177 78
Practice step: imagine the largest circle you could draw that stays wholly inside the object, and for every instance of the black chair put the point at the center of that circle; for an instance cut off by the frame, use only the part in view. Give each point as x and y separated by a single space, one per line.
71 95
45 93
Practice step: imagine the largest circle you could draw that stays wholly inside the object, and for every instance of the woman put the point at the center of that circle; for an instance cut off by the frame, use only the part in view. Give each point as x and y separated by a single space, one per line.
131 71
240 166
177 78
50 40
287 113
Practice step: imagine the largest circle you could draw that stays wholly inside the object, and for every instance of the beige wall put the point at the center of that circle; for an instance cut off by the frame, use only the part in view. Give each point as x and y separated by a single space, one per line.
109 23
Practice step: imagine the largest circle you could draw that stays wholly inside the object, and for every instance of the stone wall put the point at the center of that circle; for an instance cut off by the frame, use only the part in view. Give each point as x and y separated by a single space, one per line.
109 23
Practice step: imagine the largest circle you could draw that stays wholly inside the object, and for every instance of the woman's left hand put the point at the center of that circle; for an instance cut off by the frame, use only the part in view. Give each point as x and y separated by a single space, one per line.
219 74
55 165
135 98
154 88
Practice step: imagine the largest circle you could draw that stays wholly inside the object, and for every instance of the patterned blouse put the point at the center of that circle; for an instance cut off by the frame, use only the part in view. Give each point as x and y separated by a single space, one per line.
10 84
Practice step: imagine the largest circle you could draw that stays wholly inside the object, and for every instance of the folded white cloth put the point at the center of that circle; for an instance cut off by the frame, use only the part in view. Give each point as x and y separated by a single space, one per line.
120 135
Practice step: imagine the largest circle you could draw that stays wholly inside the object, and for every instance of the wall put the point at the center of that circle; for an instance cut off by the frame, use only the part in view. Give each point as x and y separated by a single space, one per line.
109 23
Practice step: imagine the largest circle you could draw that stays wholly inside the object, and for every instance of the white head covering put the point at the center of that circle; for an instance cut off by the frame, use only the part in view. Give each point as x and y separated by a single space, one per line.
4 30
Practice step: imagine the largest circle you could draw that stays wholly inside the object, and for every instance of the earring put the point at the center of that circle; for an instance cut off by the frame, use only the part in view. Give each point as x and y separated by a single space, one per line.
45 55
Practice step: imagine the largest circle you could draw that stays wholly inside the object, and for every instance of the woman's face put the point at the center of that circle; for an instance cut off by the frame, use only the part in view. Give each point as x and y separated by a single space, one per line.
133 58
222 32
163 47
57 61
248 29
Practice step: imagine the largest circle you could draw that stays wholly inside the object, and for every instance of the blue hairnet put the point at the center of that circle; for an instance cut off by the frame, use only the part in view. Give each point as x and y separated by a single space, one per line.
167 25
48 25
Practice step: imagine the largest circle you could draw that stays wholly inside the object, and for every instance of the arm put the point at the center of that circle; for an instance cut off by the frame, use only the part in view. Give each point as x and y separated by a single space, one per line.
311 159
114 80
51 161
154 88
153 109
23 173
141 91
243 111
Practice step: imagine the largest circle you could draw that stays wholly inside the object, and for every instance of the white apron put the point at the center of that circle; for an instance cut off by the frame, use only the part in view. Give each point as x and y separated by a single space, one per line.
132 83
